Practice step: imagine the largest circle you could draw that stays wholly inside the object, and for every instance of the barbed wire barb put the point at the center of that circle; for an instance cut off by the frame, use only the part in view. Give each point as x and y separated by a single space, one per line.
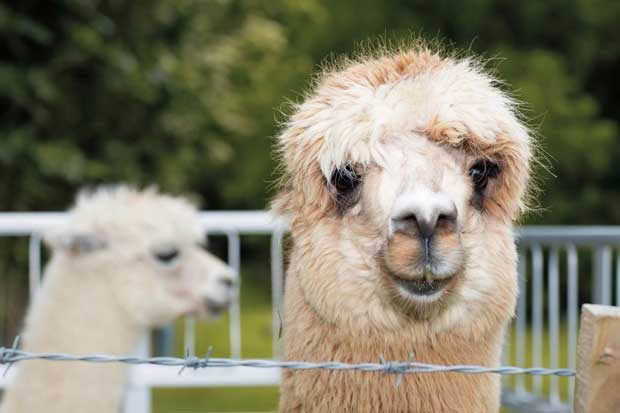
195 362
410 359
8 354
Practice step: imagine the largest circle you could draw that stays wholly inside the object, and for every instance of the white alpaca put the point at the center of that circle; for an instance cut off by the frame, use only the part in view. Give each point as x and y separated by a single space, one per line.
125 261
403 174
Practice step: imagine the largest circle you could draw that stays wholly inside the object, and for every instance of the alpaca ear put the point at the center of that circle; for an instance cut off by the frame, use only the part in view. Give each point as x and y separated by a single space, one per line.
76 243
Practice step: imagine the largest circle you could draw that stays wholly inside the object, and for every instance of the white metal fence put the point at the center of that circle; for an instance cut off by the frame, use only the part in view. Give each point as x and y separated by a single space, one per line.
553 263
549 263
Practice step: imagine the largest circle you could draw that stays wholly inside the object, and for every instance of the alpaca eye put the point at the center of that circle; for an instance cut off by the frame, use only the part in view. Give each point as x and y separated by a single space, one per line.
167 256
345 180
345 183
480 173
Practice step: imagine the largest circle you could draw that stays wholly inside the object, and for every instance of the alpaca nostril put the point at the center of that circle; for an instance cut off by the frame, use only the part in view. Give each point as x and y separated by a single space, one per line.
447 216
406 223
445 219
227 282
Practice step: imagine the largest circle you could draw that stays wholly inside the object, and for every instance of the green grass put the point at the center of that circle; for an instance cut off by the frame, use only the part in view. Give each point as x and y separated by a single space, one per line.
237 399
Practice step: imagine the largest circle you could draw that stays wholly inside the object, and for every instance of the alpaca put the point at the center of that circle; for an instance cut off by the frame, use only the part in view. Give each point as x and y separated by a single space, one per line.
402 174
125 261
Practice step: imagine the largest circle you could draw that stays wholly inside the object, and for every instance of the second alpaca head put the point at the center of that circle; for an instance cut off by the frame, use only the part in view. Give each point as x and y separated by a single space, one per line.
148 249
124 261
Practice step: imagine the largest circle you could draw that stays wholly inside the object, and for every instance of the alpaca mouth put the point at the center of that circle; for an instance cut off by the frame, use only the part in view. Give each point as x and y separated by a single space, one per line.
422 286
214 308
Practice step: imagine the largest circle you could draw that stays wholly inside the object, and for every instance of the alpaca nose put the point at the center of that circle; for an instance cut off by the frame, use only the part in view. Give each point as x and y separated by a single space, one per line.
227 281
422 215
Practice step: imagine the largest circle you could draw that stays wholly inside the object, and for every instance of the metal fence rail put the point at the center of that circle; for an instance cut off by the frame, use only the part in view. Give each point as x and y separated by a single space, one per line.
549 269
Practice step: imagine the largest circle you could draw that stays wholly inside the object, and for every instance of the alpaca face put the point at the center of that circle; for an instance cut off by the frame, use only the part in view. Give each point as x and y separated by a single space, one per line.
402 176
173 277
147 250
411 239
422 212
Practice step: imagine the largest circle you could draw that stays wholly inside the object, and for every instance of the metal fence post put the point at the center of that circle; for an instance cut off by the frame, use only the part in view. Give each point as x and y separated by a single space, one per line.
597 371
234 260
34 264
602 275
138 396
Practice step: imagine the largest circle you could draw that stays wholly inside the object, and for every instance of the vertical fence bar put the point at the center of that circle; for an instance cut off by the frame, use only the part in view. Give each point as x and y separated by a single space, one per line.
573 313
138 397
537 316
189 336
606 274
618 280
34 264
164 337
277 281
234 260
596 276
602 271
554 321
520 322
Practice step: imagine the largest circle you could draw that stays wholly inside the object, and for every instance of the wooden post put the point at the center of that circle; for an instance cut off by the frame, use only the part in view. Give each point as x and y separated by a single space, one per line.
598 365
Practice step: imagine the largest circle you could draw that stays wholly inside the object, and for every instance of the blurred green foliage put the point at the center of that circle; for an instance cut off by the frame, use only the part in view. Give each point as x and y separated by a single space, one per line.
186 94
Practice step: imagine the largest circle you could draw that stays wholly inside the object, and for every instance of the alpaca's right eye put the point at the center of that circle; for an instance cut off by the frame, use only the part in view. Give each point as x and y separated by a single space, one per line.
481 172
345 180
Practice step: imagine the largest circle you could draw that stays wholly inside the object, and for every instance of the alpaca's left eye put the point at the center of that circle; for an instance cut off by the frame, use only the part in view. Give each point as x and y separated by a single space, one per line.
345 185
167 256
481 172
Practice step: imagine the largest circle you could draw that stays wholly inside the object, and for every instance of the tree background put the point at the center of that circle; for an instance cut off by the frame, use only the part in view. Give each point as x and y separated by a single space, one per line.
187 94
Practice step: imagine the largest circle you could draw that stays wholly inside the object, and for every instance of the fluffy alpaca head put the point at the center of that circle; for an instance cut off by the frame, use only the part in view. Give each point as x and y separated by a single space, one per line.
402 175
149 248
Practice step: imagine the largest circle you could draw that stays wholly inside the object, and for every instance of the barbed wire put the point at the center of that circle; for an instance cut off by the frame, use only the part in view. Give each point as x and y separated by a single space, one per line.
12 355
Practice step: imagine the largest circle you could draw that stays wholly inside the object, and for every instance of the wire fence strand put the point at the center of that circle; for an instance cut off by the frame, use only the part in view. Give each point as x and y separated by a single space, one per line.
12 355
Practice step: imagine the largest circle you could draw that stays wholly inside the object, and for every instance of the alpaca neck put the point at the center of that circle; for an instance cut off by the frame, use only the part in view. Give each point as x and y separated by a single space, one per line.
80 318
308 337
73 313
